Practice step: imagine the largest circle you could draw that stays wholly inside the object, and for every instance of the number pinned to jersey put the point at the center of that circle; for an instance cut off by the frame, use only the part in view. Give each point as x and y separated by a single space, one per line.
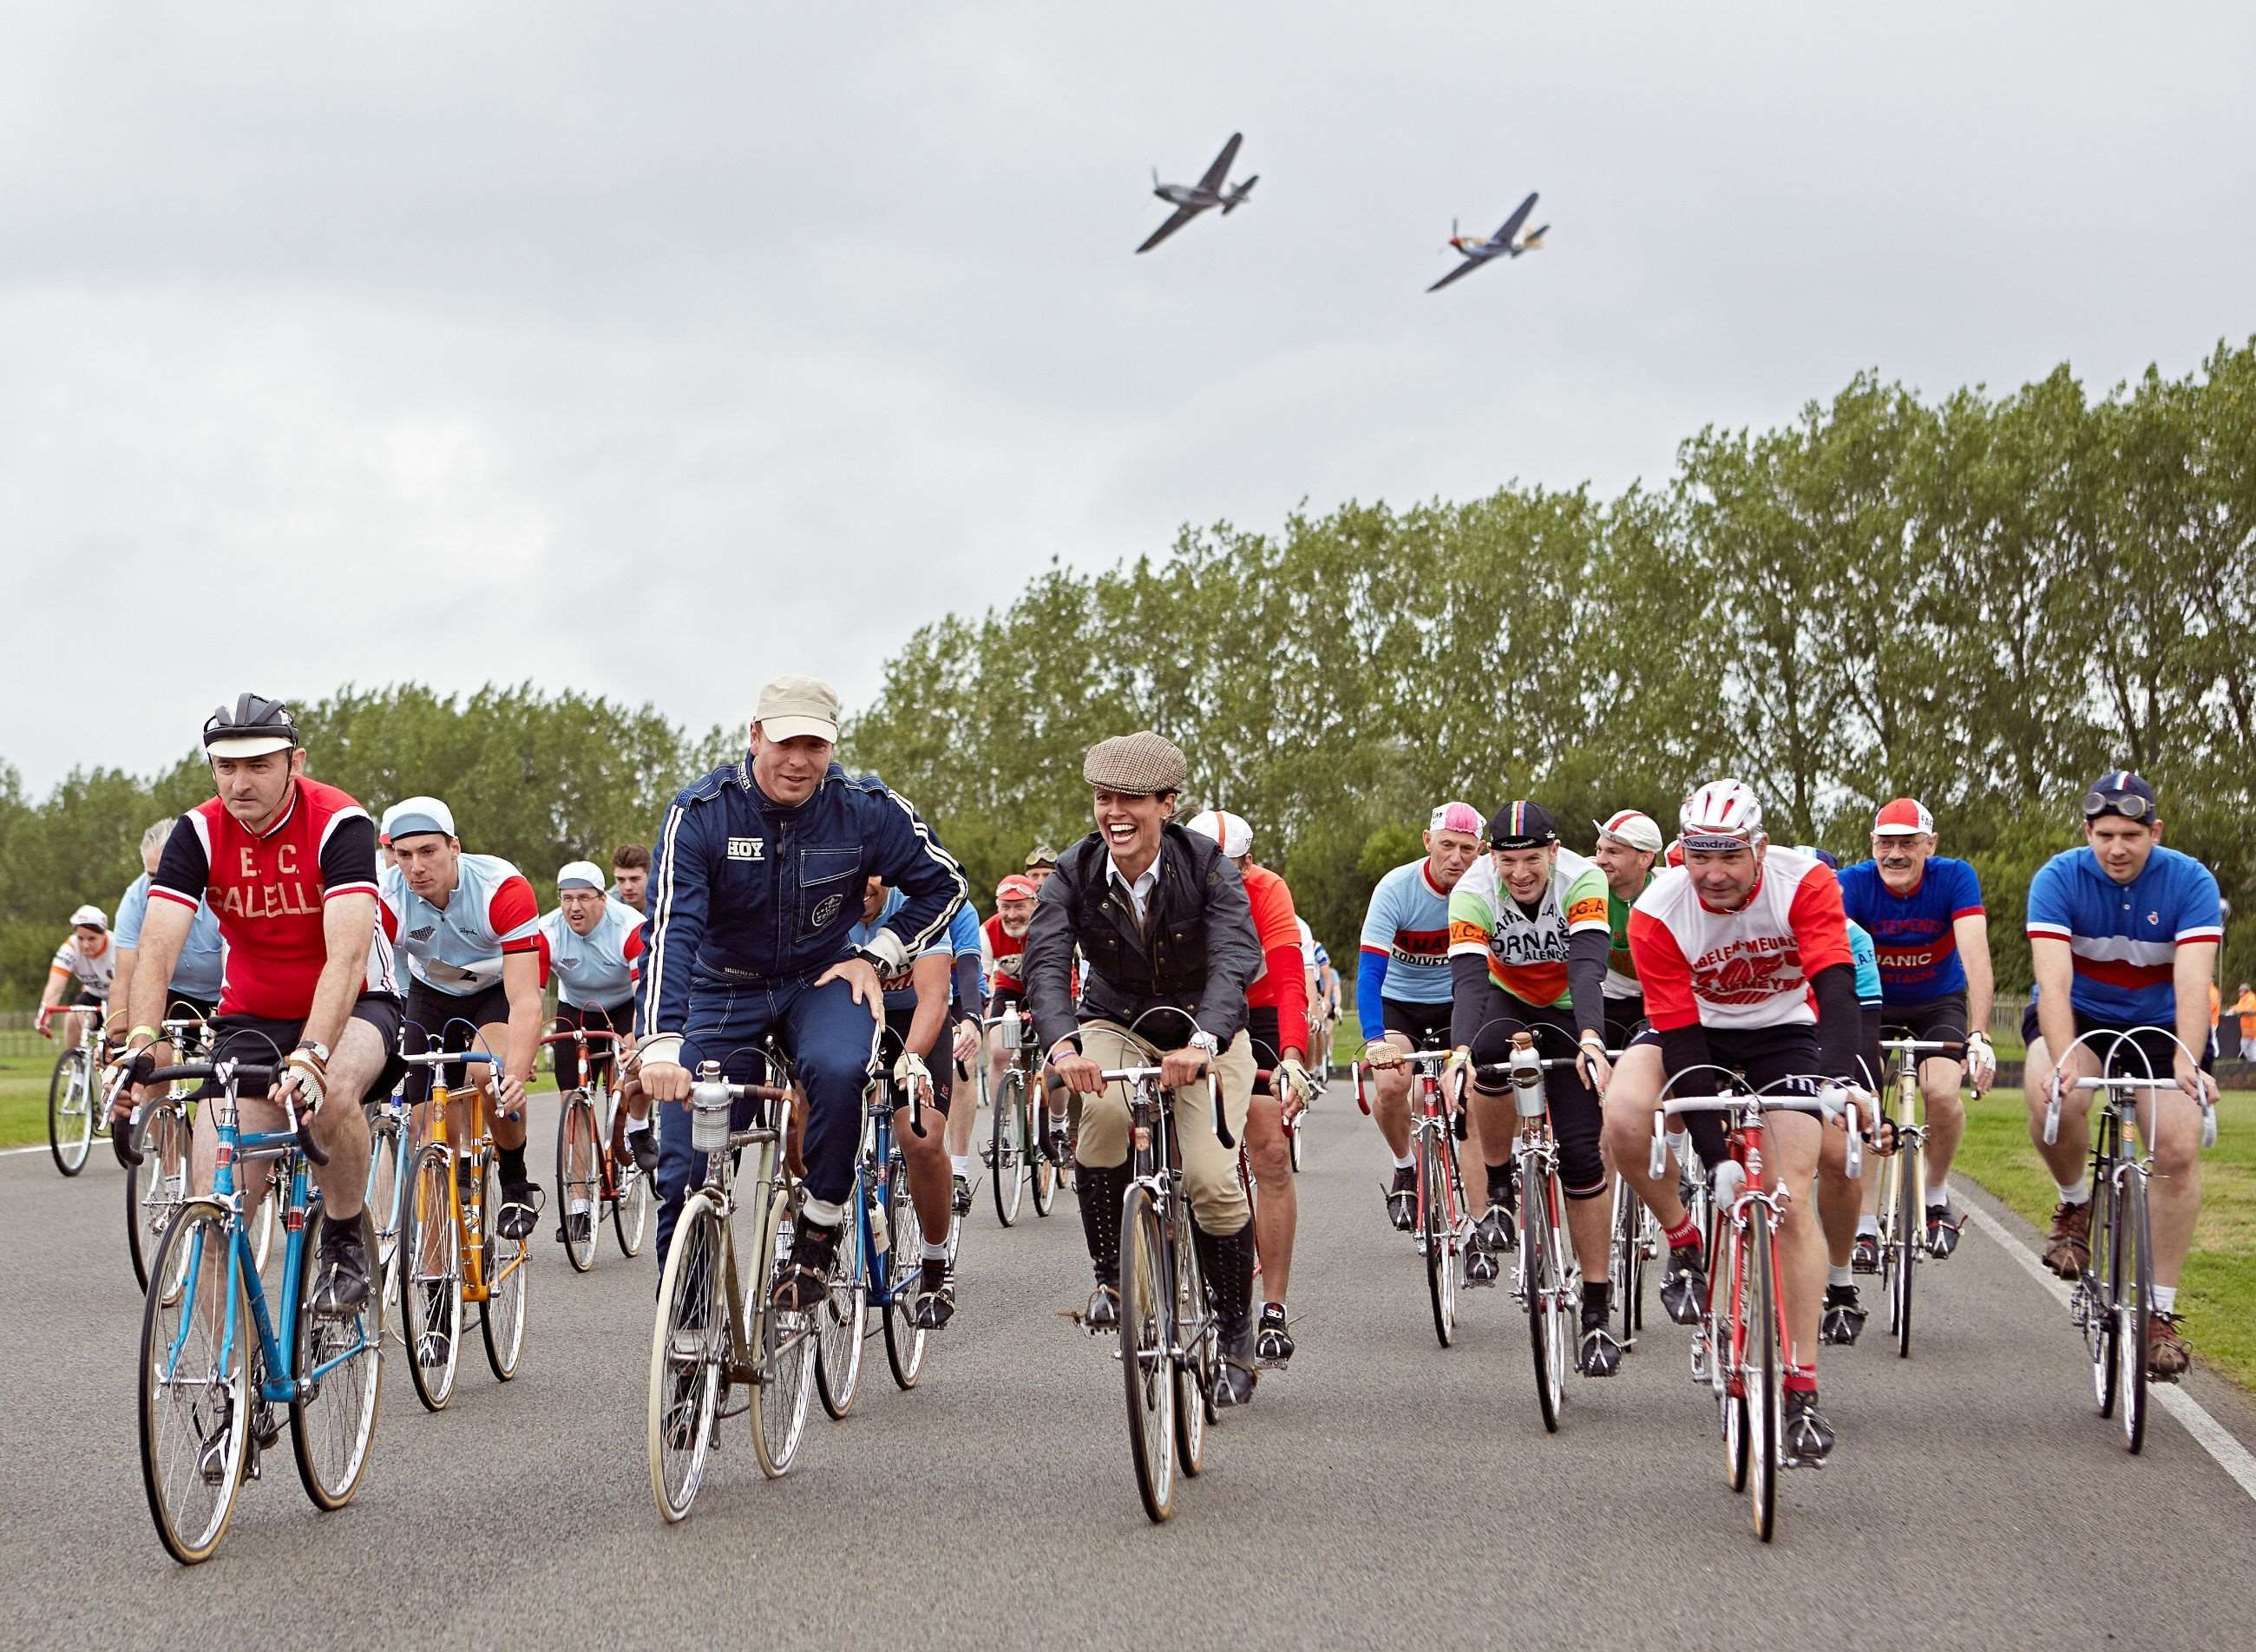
748 849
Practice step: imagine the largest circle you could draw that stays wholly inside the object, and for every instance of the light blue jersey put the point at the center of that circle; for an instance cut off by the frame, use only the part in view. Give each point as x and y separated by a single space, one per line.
900 991
203 955
457 949
1868 965
595 971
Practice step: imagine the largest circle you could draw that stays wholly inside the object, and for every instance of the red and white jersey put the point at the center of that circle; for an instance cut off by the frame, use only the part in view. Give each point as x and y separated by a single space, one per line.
458 949
1748 968
1001 953
95 969
269 890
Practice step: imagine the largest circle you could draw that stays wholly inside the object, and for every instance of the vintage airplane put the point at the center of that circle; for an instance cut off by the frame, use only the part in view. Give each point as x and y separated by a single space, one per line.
1499 245
1190 199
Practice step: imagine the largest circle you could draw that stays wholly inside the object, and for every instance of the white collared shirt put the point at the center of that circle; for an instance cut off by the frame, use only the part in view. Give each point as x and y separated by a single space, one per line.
1139 892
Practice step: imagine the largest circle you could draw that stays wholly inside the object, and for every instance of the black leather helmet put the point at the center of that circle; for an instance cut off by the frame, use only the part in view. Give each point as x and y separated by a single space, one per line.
252 727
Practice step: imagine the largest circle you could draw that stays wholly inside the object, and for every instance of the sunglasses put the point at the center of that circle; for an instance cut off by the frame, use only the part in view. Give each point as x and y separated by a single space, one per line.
2129 805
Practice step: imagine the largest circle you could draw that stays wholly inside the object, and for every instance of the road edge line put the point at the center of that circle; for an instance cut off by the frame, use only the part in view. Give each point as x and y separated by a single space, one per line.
2223 1446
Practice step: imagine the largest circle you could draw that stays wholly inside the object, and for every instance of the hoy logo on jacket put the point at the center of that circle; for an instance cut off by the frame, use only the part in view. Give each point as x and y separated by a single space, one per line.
748 849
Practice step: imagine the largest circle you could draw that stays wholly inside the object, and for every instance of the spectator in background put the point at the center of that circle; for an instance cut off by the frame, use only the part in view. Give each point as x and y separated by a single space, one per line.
2245 1006
630 875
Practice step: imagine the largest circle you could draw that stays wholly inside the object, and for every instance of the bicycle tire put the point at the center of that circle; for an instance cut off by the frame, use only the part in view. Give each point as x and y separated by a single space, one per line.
688 1352
156 1184
2100 1285
191 1514
782 1346
904 1251
1910 1247
1626 1273
1546 1285
1764 1377
70 1112
1437 1238
1046 1174
2138 1272
630 1207
1191 1334
1146 1368
842 1323
508 1267
383 1195
1728 1353
431 1279
588 1188
339 1366
1007 1170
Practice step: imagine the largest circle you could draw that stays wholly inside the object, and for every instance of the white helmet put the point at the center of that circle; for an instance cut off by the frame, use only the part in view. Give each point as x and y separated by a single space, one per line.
1231 831
1721 814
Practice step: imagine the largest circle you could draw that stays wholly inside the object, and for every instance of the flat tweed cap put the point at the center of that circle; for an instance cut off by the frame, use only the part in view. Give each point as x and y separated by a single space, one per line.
1139 763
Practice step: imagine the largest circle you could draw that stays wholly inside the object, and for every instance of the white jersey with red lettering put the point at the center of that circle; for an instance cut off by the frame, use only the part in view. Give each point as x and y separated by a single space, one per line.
269 890
95 968
457 949
1746 968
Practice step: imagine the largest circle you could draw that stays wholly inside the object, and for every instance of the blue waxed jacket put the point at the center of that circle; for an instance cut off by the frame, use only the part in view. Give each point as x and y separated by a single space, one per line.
744 889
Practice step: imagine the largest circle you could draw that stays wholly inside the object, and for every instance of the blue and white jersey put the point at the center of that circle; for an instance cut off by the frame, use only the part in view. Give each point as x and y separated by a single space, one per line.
595 971
457 949
1867 958
203 955
1406 943
900 990
2124 938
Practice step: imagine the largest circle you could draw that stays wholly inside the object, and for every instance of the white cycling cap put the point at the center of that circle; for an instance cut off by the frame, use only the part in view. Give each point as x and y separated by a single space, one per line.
581 874
412 815
93 917
1231 831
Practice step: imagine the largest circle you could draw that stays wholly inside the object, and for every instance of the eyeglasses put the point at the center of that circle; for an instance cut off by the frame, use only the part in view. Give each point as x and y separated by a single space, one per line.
2129 805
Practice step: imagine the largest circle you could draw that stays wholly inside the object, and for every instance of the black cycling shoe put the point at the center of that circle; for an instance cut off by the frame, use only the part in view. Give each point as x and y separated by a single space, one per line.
1808 1434
643 1144
1481 1266
1864 1256
804 1281
1842 1320
1943 1226
1273 1343
960 1199
1234 1374
1402 1198
1498 1229
576 1228
1104 1313
936 1303
1684 1290
341 1268
1599 1355
520 1209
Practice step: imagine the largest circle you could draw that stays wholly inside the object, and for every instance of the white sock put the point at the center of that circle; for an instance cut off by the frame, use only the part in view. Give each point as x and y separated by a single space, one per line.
962 1163
822 1213
1405 1162
935 1251
2166 1299
2075 1193
1937 1193
1839 1276
576 1207
1867 1223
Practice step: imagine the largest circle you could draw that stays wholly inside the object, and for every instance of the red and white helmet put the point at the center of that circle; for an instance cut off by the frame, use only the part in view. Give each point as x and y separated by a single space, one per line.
1721 814
1233 832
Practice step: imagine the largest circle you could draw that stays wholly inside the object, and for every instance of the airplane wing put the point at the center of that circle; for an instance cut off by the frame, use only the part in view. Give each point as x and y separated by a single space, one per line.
1183 216
1460 272
1512 224
1217 174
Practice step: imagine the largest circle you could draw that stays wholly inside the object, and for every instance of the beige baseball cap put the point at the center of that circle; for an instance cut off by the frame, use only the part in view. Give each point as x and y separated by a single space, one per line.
791 706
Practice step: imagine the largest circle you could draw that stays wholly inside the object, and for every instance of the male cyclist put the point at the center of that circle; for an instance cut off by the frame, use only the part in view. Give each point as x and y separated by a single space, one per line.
1852 1226
289 866
1925 914
1629 843
2123 933
630 875
1744 955
1527 953
1402 983
1042 861
1276 1021
593 946
469 929
757 880
89 956
1161 917
964 997
194 987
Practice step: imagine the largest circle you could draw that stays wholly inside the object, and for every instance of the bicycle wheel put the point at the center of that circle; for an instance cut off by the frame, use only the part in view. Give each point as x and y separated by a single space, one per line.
631 1199
843 1320
1145 1366
70 1112
1626 1267
904 1246
782 1347
1008 1150
1729 1328
1437 1237
579 1178
384 1196
688 1357
339 1364
1910 1245
508 1265
1192 1335
2101 1284
156 1185
195 1385
1763 1379
1547 1289
431 1278
2134 1291
1044 1173
266 1220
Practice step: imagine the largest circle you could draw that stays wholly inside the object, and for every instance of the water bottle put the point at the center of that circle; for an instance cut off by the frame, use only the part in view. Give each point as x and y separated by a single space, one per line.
878 1237
1526 1081
1009 1027
709 1110
1731 1178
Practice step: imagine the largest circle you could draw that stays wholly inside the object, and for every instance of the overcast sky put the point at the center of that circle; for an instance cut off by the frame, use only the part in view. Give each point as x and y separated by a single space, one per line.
653 350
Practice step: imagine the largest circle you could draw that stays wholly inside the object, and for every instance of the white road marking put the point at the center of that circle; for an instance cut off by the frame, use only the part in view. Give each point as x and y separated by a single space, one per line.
2210 1434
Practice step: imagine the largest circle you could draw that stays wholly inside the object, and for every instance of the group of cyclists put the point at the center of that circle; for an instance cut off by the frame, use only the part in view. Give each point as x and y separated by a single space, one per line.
787 902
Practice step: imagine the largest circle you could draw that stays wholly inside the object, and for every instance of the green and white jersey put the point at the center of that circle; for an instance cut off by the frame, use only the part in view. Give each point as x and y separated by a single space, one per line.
1621 971
1527 953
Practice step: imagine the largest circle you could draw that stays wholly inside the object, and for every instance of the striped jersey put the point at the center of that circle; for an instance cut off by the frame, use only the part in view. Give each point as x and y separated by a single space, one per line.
1750 967
1527 951
2124 938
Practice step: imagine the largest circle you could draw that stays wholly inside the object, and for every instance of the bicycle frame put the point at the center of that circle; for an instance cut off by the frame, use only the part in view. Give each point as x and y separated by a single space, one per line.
468 1220
874 1170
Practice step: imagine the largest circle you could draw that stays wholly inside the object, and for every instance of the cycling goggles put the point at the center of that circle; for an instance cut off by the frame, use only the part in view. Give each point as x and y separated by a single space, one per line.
2129 805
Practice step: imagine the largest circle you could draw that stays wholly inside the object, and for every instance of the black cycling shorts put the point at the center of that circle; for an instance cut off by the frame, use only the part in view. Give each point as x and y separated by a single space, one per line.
1763 1056
939 1062
2160 1051
619 1019
441 1020
1577 1121
260 1042
1938 1021
1427 1026
1624 1021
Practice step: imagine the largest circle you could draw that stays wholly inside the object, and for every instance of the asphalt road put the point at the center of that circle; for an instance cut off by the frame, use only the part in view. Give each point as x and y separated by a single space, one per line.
1382 1490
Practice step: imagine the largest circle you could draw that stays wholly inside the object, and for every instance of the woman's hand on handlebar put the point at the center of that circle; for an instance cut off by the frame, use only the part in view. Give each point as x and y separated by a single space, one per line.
1182 1067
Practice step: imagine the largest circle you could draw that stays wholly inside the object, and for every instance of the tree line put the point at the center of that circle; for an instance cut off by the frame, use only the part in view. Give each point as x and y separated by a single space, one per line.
1983 601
